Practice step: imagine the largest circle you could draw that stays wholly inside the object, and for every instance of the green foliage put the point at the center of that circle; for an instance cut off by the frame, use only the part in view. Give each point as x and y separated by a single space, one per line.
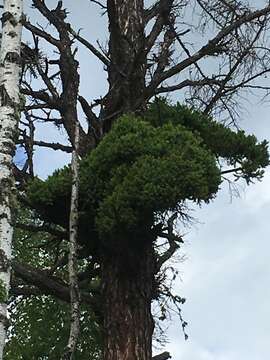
40 329
54 194
238 148
39 325
147 166
140 171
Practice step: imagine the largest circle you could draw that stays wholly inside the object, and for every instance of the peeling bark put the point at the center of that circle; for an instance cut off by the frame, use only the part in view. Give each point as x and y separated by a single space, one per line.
72 262
10 64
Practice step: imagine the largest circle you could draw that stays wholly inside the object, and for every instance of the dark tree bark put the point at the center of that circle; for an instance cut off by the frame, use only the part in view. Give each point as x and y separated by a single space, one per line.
127 285
127 290
127 69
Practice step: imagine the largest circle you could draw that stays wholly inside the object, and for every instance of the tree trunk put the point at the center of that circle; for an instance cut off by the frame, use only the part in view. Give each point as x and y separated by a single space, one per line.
10 61
127 54
73 253
127 279
127 291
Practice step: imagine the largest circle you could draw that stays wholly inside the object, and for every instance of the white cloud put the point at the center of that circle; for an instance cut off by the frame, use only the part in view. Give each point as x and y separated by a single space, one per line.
259 195
194 351
225 281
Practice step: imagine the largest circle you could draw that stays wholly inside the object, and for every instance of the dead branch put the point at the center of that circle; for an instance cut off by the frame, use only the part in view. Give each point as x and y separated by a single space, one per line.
164 356
48 285
53 146
42 228
209 49
90 47
173 241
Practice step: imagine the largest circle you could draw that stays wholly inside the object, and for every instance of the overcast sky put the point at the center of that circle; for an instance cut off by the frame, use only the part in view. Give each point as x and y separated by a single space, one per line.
226 275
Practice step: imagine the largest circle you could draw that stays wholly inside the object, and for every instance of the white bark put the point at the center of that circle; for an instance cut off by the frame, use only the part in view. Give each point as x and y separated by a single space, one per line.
72 263
10 68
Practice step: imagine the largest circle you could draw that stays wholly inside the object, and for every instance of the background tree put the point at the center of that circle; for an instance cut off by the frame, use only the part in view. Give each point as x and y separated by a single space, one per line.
39 322
147 47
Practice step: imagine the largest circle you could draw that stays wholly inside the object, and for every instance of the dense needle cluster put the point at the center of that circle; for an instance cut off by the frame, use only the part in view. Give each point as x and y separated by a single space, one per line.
147 166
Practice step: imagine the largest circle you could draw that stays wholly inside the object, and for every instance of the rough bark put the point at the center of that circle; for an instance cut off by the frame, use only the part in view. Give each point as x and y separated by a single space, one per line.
127 290
72 262
126 72
127 283
10 62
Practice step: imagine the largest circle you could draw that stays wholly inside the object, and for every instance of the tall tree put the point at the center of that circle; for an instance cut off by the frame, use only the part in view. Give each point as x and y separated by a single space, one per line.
137 173
10 69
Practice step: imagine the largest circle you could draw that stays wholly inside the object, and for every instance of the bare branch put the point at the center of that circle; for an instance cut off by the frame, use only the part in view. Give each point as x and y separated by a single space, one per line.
173 241
164 356
94 124
53 146
47 284
38 32
163 11
229 171
42 228
187 82
99 4
42 95
210 48
68 67
90 47
229 75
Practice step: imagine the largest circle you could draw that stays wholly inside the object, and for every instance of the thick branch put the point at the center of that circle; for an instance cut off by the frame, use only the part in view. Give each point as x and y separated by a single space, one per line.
163 11
42 228
173 241
38 32
26 291
42 95
53 146
187 82
47 284
164 356
94 124
229 171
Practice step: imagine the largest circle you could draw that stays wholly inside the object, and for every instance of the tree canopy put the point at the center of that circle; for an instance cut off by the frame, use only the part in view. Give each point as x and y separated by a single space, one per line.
147 166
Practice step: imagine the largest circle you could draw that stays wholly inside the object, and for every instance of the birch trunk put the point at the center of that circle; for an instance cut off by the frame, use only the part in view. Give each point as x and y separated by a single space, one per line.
10 69
72 263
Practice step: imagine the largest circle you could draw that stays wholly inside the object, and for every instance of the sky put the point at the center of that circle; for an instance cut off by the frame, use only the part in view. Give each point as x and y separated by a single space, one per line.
225 277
